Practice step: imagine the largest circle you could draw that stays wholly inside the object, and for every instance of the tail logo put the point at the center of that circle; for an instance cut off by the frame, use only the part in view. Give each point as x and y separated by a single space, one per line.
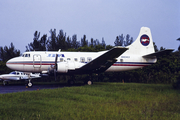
144 40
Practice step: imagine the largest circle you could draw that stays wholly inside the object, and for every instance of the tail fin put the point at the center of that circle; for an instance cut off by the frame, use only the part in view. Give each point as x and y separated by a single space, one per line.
143 45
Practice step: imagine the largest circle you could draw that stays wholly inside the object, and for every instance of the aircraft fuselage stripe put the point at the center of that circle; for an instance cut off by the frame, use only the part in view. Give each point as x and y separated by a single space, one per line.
52 63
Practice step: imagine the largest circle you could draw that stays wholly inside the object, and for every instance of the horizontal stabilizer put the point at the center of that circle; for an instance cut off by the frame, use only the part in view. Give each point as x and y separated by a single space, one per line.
160 53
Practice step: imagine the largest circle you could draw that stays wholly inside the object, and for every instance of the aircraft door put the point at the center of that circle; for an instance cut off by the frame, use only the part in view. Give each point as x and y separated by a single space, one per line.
37 61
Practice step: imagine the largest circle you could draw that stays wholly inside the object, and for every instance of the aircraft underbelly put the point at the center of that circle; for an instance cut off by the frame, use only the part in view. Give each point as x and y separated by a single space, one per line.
122 68
11 78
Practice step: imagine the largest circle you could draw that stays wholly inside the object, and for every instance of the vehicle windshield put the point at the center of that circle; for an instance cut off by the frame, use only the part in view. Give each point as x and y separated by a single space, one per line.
13 73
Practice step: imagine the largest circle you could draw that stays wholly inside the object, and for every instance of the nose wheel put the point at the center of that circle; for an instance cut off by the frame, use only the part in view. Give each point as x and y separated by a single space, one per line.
29 83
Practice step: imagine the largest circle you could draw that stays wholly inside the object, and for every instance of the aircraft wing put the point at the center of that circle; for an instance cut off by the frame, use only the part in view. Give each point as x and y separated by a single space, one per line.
32 76
159 53
104 61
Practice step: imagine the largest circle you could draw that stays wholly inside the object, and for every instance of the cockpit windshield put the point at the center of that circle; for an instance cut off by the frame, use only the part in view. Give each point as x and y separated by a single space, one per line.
26 55
13 73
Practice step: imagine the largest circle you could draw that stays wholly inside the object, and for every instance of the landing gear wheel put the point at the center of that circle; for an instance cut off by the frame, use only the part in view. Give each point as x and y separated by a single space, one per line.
89 82
29 84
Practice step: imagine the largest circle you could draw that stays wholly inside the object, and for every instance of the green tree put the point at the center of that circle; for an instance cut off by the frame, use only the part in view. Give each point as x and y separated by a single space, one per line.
43 43
128 41
35 44
84 42
108 47
69 43
52 40
75 43
38 44
155 47
103 44
61 41
119 40
7 53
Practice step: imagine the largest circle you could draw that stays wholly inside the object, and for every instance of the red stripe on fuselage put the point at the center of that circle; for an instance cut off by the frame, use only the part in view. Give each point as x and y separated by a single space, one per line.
31 63
53 64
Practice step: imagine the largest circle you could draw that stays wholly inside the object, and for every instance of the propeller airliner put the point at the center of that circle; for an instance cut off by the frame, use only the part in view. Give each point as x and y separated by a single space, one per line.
137 55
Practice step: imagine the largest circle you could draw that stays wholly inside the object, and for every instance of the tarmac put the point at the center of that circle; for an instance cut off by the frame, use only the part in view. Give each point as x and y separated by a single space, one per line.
20 88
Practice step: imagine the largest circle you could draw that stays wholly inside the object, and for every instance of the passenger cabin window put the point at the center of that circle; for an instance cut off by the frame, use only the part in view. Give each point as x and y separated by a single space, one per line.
121 60
75 59
89 59
82 59
68 58
61 59
53 55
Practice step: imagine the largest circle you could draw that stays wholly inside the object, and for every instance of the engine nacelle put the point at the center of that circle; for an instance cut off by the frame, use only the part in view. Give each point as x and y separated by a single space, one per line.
63 67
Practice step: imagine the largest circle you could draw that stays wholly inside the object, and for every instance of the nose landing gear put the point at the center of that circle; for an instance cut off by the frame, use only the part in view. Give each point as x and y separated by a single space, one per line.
29 84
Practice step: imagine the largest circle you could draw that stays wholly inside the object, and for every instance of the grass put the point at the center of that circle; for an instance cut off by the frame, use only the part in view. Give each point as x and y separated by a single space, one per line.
99 101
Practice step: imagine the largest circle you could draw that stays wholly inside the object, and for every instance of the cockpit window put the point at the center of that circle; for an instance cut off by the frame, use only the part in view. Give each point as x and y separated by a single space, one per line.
26 55
13 73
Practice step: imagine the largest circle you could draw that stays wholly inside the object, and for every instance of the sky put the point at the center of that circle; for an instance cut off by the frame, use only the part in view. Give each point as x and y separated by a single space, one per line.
96 19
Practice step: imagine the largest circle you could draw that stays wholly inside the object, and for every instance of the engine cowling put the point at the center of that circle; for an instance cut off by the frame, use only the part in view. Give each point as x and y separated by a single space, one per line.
63 67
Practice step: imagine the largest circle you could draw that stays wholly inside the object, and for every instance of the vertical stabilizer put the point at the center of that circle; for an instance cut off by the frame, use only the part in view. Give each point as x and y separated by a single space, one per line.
143 45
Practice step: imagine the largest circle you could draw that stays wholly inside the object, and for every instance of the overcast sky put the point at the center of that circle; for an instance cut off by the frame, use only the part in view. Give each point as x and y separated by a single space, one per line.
19 19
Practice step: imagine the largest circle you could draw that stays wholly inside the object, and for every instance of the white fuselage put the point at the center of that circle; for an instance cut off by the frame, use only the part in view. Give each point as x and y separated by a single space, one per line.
40 62
16 75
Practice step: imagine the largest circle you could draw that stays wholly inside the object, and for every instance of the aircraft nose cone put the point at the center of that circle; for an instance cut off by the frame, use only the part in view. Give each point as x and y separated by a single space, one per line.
12 63
8 63
15 64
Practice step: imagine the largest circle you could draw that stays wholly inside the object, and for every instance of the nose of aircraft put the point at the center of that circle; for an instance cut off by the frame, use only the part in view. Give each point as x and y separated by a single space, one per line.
13 63
8 63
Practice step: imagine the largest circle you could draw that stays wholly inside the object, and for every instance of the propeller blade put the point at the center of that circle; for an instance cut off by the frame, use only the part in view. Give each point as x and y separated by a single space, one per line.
55 66
55 74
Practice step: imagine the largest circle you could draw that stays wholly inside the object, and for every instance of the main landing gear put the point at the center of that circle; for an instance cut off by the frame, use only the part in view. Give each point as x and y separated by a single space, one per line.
90 80
71 81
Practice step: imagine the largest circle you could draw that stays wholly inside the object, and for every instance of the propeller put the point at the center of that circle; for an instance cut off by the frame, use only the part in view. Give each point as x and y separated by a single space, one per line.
55 66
